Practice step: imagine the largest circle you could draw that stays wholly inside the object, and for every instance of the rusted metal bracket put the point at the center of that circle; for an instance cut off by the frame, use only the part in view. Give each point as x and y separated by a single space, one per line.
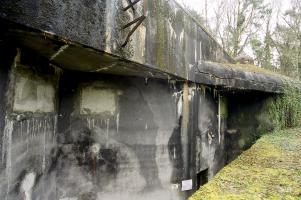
131 5
138 21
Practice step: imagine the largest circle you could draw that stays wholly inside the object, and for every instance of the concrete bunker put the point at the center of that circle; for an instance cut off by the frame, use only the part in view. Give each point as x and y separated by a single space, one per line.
83 119
113 136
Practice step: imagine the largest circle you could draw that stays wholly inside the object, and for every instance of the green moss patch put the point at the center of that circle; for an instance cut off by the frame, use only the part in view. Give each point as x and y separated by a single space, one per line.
270 169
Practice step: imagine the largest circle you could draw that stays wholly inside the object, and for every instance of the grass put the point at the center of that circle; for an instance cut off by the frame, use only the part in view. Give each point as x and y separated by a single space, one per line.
255 69
270 169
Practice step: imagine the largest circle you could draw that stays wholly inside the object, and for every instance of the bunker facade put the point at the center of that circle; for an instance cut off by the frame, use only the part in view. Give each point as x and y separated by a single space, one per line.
114 99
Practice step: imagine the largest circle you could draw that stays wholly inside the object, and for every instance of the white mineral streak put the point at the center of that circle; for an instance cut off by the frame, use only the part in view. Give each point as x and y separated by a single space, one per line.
178 96
89 123
61 50
27 134
117 122
110 23
200 50
55 127
174 153
180 106
32 140
107 133
28 184
6 150
191 93
44 144
95 148
21 129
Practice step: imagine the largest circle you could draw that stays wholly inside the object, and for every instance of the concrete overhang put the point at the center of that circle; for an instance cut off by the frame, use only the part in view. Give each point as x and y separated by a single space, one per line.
70 55
168 43
235 77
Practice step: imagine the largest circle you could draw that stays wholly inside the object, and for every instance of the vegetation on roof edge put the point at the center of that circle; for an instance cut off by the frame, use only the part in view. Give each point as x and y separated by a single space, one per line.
256 69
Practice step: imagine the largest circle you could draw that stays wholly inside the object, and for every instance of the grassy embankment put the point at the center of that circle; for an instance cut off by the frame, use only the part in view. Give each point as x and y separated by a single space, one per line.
270 169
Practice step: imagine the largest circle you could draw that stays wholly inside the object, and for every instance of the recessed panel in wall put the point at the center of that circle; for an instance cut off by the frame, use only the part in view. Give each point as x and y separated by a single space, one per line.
33 95
98 101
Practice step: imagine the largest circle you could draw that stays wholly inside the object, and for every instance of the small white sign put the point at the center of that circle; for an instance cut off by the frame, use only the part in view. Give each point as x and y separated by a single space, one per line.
187 185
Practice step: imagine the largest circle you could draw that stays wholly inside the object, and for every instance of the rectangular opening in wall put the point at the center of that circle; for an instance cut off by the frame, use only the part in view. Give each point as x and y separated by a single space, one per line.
202 178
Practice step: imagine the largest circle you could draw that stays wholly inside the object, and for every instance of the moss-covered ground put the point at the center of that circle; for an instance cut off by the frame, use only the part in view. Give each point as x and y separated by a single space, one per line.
270 169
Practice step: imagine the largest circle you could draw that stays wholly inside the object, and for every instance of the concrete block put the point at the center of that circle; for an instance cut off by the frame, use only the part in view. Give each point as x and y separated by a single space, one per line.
33 95
97 101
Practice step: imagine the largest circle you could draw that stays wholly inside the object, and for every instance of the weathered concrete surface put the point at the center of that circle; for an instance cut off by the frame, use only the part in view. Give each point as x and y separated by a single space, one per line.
106 137
168 40
98 100
70 56
247 121
132 138
6 61
225 76
210 138
85 132
28 137
33 94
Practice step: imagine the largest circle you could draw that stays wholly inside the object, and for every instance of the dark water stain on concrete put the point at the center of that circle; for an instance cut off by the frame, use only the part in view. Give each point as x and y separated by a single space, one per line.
135 115
176 154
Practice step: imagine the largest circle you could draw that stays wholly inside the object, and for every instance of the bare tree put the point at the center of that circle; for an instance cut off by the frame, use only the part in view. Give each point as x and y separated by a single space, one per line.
287 41
237 21
263 47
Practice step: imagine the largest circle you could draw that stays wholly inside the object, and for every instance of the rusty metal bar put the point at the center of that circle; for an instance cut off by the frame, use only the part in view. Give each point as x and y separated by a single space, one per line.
131 5
184 128
133 22
138 21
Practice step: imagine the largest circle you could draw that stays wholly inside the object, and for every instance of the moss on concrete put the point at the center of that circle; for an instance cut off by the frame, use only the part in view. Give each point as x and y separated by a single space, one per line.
270 169
161 35
223 107
250 68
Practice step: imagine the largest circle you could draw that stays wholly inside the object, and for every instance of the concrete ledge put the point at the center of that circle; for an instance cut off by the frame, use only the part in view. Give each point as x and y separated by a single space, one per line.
223 75
70 55
167 39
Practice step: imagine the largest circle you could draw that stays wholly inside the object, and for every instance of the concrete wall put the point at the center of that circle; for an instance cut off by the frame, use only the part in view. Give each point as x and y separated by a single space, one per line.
6 61
122 132
210 138
28 139
91 136
169 39
84 136
88 36
247 121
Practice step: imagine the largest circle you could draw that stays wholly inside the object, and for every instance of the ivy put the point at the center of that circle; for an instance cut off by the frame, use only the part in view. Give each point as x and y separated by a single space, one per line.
284 110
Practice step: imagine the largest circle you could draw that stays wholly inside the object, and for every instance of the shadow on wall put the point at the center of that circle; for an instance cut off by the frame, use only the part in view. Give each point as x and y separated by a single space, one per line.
246 123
